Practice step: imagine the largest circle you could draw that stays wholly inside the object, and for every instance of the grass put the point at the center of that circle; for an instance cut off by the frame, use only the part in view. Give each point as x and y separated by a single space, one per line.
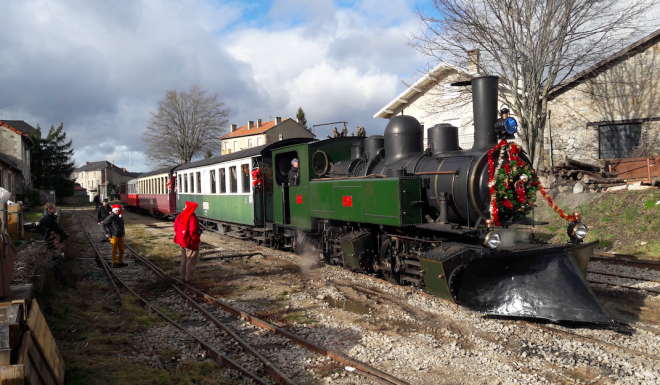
620 221
96 334
283 296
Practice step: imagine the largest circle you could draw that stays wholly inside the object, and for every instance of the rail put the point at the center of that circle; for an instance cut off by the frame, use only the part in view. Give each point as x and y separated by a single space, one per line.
360 368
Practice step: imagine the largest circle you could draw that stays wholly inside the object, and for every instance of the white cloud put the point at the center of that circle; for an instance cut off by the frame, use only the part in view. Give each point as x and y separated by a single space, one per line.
101 67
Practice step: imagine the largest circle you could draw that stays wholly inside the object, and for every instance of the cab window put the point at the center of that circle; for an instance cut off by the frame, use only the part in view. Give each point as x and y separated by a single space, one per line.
283 165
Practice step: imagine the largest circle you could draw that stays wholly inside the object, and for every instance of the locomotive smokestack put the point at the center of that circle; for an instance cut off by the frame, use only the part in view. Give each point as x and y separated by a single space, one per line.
484 104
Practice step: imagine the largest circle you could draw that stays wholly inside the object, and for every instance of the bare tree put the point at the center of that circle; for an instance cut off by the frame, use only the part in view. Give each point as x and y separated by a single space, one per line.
185 126
532 45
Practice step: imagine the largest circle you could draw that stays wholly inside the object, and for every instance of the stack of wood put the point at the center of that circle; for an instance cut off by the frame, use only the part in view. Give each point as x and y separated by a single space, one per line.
28 353
591 177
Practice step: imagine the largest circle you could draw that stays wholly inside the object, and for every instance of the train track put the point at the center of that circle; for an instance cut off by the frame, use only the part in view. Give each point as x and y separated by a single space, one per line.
222 359
552 330
359 367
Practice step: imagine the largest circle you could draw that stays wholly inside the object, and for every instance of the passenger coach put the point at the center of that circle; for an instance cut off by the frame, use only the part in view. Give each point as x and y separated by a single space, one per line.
234 191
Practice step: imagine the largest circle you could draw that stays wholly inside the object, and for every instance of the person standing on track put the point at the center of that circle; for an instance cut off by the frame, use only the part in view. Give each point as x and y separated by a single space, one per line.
103 212
97 201
187 235
114 230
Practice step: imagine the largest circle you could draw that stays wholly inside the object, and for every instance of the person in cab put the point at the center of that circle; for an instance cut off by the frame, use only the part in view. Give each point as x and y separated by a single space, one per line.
294 173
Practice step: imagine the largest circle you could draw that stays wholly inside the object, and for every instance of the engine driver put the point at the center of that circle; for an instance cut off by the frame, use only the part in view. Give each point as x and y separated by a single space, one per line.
294 173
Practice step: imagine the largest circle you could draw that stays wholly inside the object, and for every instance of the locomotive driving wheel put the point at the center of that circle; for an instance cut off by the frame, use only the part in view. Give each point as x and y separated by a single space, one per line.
388 262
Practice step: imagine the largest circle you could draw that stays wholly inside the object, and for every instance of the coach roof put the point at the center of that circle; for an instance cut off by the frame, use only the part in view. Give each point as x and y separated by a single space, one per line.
249 153
164 170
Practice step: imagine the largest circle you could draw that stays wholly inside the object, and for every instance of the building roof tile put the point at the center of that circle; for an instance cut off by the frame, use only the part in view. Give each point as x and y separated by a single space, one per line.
243 130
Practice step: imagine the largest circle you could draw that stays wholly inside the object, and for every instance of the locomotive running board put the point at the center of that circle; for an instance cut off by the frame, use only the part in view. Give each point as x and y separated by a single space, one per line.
550 286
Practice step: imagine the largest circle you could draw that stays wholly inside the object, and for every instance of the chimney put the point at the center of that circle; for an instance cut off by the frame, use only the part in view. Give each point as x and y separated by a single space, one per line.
250 124
473 60
112 165
233 127
258 123
86 163
123 169
278 120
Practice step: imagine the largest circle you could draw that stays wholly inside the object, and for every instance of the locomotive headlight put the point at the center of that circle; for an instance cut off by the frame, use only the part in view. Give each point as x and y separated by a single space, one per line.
492 240
580 231
577 231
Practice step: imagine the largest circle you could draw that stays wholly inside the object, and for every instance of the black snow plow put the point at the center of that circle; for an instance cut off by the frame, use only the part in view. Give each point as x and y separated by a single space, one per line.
549 284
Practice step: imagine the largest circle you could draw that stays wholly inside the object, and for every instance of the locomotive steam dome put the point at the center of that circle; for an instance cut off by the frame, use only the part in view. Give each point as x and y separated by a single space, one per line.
404 137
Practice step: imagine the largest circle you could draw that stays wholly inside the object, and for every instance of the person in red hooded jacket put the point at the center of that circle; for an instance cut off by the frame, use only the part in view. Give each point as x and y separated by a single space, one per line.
186 235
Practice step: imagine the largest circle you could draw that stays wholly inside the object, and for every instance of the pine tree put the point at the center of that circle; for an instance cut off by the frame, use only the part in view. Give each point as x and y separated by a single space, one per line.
52 165
300 116
208 154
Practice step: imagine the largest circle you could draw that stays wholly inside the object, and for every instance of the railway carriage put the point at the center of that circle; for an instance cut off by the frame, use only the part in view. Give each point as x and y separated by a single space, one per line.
129 194
157 195
233 191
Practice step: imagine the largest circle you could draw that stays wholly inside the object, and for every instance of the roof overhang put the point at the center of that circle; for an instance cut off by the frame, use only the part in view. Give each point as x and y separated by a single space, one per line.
418 89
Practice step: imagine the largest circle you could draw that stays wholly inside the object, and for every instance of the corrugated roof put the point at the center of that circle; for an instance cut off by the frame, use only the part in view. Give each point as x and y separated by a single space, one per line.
250 152
6 160
243 131
603 65
419 88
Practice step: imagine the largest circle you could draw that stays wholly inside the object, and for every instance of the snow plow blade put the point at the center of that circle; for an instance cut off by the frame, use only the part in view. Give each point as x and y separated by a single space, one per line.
549 286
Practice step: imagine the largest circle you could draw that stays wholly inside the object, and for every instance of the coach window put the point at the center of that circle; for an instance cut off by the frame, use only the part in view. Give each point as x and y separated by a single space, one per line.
185 183
233 180
179 185
191 176
245 177
213 182
199 183
223 181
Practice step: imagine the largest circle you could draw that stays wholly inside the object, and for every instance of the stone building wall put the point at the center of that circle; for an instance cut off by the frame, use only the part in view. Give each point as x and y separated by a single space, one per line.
628 92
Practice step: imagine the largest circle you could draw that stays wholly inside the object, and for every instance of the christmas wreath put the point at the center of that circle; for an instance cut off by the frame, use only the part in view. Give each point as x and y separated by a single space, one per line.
513 184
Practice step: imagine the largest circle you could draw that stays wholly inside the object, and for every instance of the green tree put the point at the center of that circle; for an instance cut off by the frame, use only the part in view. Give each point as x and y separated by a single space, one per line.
300 116
51 162
208 154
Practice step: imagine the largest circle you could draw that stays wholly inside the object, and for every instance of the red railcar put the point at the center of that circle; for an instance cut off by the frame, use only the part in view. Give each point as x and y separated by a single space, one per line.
129 194
155 192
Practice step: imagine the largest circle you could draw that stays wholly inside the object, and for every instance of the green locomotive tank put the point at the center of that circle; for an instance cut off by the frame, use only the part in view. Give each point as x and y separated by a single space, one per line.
422 217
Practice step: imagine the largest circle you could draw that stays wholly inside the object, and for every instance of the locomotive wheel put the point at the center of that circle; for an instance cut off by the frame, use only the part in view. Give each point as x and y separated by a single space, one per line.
387 257
455 281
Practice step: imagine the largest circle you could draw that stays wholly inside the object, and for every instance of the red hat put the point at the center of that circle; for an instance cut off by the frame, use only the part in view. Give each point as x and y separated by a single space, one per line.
117 207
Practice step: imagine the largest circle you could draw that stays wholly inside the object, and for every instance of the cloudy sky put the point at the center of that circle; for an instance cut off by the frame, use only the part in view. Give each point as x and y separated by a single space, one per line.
101 66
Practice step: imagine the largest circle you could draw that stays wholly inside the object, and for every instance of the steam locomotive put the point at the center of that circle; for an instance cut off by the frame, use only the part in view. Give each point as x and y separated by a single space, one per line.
432 218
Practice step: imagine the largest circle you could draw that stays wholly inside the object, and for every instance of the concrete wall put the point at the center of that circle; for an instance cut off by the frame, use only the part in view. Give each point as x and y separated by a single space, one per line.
626 92
242 143
14 147
288 129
